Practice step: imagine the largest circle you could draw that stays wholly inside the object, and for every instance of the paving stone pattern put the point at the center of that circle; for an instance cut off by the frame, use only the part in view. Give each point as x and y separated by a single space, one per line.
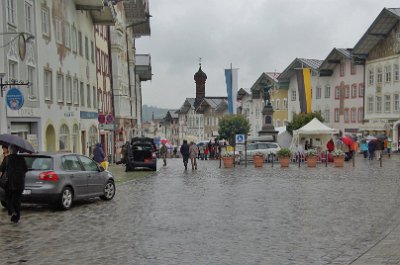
268 215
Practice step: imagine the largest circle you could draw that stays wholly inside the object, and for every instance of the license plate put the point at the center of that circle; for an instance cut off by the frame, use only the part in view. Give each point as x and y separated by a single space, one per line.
26 192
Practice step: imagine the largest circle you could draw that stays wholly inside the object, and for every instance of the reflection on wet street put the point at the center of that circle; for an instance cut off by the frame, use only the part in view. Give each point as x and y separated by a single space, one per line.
217 216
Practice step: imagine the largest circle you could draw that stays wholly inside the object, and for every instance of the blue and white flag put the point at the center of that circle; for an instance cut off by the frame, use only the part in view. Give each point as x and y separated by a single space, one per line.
231 77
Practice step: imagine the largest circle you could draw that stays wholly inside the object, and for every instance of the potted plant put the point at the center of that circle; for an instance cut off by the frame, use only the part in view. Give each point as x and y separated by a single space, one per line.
311 157
228 159
338 157
284 155
258 159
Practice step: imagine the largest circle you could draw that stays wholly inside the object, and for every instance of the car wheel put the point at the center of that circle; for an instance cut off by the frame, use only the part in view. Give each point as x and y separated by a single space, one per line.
109 191
154 168
4 204
65 201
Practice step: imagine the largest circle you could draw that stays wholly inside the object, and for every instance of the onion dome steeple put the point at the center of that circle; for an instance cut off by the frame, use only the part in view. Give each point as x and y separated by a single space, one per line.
200 78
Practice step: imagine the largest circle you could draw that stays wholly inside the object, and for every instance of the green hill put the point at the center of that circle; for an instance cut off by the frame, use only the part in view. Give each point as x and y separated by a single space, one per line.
148 111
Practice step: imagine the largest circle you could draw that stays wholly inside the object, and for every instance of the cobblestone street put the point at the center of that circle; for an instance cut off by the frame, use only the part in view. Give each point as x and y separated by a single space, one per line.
322 215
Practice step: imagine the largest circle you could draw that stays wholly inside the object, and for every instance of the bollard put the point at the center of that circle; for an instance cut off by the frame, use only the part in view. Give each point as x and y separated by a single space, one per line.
354 158
299 160
272 161
326 158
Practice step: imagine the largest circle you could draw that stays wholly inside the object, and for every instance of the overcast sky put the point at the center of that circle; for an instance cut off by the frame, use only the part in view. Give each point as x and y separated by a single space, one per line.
254 35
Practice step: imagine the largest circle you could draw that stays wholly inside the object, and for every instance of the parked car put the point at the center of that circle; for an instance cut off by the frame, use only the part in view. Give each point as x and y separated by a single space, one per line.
62 178
266 148
142 152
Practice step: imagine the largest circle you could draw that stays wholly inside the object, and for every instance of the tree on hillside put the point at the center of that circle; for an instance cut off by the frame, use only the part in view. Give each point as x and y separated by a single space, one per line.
301 119
231 125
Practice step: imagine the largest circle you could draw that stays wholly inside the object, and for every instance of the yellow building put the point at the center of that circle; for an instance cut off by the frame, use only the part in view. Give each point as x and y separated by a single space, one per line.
279 99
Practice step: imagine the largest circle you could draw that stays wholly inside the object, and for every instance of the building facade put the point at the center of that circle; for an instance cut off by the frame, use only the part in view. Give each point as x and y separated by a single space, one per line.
379 49
339 92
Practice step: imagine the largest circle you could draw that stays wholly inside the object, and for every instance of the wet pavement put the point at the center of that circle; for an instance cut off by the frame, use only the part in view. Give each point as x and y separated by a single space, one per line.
268 215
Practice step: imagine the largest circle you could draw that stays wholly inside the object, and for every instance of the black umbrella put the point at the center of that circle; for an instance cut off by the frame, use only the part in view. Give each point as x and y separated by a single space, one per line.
23 146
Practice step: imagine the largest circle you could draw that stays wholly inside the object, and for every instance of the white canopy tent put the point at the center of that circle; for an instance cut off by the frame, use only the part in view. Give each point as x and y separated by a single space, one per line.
315 130
284 138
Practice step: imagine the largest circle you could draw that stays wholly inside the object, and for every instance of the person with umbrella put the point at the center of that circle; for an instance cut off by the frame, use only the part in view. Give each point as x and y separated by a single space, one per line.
15 168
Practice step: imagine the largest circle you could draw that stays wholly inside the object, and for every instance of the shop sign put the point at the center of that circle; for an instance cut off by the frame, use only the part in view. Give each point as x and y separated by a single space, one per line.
107 127
88 115
24 112
14 98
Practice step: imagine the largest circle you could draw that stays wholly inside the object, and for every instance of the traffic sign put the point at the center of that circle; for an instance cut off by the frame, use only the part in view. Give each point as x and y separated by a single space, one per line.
101 118
240 138
109 119
107 127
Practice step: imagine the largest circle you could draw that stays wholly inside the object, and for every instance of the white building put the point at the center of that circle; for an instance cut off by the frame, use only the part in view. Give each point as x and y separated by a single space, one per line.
339 92
19 31
379 47
288 78
128 68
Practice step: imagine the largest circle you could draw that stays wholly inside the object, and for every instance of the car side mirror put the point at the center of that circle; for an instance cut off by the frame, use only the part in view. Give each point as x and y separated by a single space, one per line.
101 169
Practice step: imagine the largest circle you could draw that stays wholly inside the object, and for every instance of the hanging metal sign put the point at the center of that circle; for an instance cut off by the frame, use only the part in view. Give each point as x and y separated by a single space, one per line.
15 98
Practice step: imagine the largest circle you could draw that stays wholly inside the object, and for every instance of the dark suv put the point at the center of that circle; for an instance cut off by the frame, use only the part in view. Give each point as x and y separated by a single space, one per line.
141 152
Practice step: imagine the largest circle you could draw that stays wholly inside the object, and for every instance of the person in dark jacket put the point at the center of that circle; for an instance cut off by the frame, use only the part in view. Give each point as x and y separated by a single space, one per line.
185 153
98 153
15 168
371 149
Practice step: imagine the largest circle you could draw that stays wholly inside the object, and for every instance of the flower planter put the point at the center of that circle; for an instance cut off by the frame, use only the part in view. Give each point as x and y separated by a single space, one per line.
338 161
311 161
284 161
228 162
258 161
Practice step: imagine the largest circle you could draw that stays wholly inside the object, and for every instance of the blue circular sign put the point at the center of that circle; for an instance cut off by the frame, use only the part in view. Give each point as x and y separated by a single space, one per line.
15 98
239 138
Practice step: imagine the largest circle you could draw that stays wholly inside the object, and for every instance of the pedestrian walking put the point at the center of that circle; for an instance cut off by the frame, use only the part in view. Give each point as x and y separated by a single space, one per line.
164 153
330 146
371 149
379 148
185 153
364 148
193 153
98 153
15 168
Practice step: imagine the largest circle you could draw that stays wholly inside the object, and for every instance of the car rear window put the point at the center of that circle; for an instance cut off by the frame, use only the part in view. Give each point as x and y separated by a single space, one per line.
39 163
252 147
262 146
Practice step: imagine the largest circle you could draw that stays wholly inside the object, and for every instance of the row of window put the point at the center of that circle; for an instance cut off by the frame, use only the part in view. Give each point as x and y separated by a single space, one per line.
67 35
346 92
28 11
64 137
352 115
385 103
390 71
342 69
71 91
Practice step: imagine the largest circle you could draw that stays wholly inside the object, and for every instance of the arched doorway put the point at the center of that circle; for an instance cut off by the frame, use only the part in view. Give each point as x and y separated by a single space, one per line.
64 137
50 139
93 138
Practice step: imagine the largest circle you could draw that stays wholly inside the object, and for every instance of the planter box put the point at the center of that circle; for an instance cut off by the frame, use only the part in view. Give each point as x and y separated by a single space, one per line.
258 161
311 161
338 161
284 161
228 162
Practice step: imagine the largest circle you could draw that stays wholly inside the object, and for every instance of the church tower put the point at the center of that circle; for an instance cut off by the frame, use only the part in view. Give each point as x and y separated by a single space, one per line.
200 78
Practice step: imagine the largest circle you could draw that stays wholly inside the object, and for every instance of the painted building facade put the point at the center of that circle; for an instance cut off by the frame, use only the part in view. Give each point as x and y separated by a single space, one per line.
379 49
339 92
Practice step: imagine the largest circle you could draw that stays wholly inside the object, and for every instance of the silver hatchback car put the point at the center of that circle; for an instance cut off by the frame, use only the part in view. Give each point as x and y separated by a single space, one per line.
61 178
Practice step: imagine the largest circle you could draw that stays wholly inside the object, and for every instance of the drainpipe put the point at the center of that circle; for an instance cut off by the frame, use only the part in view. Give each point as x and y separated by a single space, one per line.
113 137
